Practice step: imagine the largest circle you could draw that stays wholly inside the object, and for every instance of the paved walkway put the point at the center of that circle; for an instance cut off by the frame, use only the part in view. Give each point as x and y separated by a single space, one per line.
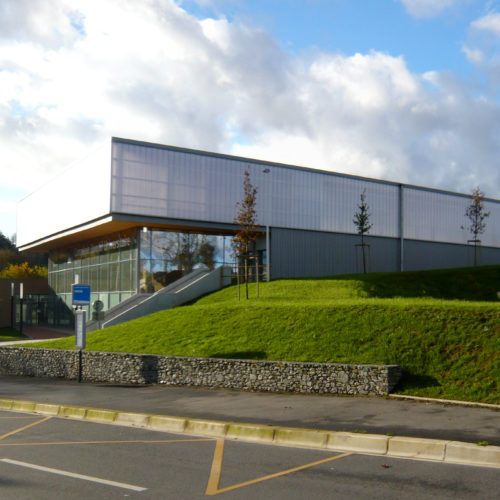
361 414
37 333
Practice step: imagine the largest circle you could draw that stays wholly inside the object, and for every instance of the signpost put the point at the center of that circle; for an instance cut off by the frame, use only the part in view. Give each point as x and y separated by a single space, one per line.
81 297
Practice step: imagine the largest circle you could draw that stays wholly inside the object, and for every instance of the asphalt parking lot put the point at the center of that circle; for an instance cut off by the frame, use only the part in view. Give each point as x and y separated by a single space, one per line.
54 458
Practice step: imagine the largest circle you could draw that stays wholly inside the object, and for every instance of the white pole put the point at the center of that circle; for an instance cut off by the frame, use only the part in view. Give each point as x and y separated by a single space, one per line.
268 239
268 255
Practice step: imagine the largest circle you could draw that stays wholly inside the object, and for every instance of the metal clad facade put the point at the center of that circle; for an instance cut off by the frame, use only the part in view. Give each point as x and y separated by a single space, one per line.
79 194
420 255
440 217
159 182
147 180
315 253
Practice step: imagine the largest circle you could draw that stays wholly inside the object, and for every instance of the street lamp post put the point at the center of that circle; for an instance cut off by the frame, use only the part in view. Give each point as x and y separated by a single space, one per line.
12 311
21 297
268 239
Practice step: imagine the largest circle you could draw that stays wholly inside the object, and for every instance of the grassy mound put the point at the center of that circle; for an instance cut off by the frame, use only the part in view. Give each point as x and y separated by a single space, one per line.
7 333
447 348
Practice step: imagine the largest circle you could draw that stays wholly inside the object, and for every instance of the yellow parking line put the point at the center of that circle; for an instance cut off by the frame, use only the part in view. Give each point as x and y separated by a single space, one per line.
22 416
213 481
51 443
25 427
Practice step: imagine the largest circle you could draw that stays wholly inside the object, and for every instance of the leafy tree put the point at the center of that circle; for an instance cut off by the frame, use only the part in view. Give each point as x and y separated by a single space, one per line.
476 214
362 222
206 253
9 257
5 243
24 270
246 219
186 250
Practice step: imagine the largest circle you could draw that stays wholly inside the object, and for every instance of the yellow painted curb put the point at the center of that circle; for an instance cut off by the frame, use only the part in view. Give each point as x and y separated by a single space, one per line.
27 406
211 428
132 419
6 404
376 444
353 441
167 424
432 449
47 409
72 412
103 416
251 432
310 438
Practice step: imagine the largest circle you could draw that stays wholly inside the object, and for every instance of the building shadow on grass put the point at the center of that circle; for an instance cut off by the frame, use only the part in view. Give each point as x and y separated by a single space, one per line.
239 355
413 381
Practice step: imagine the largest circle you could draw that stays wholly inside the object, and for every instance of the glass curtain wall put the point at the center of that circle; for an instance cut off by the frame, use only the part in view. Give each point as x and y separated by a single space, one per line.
140 261
167 256
109 267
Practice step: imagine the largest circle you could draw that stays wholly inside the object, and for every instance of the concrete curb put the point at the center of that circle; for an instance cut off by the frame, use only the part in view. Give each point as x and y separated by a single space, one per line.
454 402
453 452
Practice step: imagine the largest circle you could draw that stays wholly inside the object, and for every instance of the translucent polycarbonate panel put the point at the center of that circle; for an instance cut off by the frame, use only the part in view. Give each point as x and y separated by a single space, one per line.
437 216
77 195
154 181
491 235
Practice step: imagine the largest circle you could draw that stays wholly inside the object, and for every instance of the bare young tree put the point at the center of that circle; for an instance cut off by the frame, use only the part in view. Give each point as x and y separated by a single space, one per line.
476 214
362 222
246 219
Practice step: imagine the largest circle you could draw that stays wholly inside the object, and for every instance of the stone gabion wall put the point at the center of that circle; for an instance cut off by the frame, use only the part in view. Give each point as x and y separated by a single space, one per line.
273 376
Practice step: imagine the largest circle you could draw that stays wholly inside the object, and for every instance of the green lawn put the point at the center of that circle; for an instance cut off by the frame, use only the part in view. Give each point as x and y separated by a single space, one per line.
447 348
7 333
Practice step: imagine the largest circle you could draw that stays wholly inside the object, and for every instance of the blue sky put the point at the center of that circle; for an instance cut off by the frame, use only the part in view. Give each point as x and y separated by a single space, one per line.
405 90
350 26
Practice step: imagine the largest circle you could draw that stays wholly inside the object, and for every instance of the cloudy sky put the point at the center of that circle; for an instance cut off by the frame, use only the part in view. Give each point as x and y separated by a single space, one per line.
404 90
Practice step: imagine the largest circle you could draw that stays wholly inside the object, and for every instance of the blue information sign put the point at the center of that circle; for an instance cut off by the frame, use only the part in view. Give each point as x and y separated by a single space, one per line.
81 295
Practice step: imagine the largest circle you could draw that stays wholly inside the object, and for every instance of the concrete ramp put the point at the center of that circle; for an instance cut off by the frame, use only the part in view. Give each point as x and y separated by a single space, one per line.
185 289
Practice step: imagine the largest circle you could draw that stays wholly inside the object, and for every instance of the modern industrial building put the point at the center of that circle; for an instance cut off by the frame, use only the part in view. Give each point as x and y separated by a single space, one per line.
132 217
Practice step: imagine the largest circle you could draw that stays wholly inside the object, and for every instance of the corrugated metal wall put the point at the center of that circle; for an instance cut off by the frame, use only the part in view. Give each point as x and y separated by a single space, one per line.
296 253
421 255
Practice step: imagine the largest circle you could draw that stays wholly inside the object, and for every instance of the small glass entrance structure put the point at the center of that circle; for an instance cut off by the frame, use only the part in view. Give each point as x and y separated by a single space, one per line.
142 260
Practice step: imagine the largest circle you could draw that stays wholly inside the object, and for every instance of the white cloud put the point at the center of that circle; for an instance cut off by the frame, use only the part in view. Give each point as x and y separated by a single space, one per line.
148 70
427 8
474 55
489 23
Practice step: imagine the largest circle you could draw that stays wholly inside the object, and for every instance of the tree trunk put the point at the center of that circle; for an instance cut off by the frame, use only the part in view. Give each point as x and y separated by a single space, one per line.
246 274
364 252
